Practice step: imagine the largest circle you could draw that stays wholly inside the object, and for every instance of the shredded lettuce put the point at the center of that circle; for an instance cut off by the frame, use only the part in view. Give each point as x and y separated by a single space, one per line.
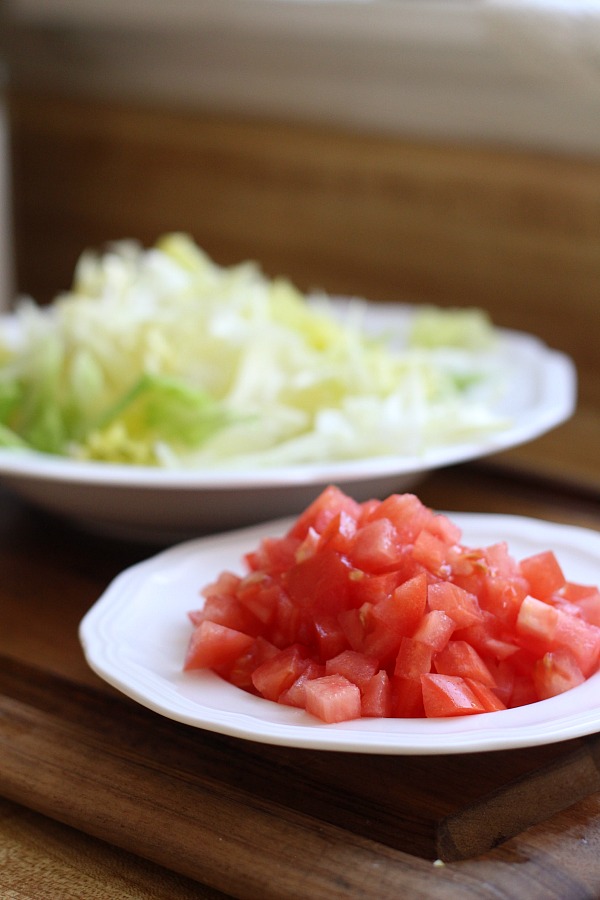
161 357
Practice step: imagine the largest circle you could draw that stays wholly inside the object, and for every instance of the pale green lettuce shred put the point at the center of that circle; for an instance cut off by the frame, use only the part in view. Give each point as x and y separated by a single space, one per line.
161 357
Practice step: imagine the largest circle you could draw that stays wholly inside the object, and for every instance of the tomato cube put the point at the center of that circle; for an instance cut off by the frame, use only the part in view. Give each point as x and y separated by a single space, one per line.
319 583
407 514
333 698
407 698
537 620
460 658
356 667
396 616
414 659
457 603
376 696
488 698
212 645
555 673
279 672
543 573
322 510
240 672
432 552
295 695
448 695
435 629
375 546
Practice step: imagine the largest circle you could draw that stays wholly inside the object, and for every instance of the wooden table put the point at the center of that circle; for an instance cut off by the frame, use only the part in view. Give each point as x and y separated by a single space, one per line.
104 798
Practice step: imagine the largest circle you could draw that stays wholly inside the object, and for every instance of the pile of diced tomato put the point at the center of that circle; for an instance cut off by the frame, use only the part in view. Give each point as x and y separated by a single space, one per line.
378 609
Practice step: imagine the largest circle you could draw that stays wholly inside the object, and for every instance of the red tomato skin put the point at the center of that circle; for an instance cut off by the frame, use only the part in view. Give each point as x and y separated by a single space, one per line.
333 698
213 645
448 695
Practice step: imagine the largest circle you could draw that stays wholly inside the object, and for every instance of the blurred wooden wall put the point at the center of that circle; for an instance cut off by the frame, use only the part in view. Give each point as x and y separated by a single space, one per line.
514 231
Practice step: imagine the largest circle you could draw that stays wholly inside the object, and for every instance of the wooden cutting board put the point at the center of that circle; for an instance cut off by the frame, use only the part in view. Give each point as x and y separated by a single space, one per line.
97 761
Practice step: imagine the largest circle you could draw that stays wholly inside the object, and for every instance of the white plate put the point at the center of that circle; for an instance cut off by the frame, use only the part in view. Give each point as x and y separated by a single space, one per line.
135 637
167 506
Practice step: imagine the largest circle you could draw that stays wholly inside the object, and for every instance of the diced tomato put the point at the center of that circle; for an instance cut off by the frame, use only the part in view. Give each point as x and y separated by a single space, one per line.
332 698
378 609
524 692
435 629
432 553
329 636
375 546
407 514
339 534
537 620
260 593
356 667
457 603
228 611
586 599
413 660
212 645
240 672
396 616
376 696
295 695
274 554
448 695
279 672
226 585
543 573
460 658
485 695
322 510
320 582
580 638
407 698
353 623
504 678
447 531
557 671
365 588
488 637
